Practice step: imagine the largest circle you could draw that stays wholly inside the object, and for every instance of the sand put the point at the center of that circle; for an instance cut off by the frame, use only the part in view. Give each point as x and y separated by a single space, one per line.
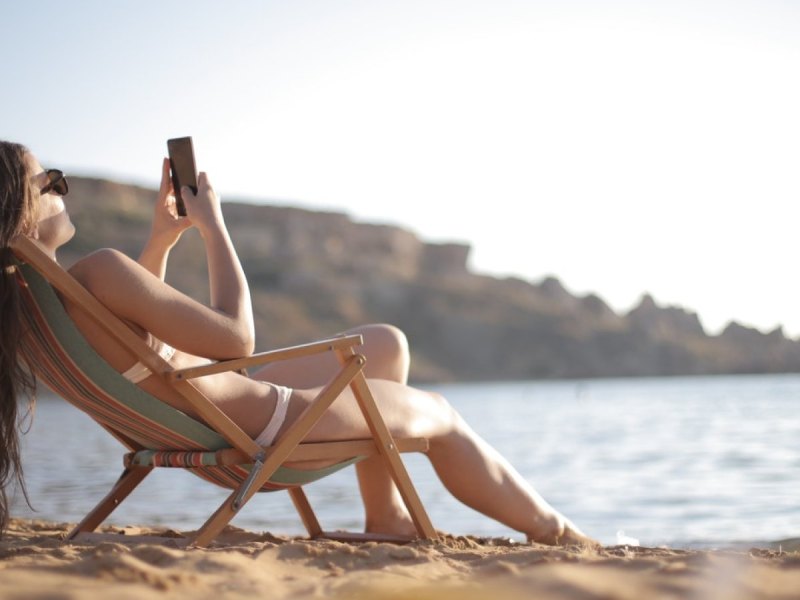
142 563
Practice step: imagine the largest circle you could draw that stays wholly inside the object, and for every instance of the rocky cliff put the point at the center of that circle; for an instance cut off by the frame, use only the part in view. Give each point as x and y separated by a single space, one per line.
316 273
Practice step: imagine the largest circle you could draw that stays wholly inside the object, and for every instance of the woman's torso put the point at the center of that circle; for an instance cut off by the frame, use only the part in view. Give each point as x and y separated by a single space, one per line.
242 399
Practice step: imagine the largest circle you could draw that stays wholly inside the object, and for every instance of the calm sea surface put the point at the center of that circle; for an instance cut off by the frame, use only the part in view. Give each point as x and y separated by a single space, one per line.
679 461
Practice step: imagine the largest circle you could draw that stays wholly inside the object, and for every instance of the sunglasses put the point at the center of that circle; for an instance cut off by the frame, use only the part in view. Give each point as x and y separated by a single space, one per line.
56 182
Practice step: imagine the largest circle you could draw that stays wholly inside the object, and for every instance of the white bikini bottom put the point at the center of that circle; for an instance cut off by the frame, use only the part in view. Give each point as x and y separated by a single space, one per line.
139 372
267 437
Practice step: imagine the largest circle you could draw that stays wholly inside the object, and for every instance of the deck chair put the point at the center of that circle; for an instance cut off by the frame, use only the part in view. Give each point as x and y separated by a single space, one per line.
158 435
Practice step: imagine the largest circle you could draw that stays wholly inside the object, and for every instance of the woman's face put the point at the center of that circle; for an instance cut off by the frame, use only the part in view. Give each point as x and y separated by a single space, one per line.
54 227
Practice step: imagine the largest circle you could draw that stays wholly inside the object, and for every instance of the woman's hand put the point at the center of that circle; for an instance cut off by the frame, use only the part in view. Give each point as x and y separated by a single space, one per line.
166 230
167 225
203 208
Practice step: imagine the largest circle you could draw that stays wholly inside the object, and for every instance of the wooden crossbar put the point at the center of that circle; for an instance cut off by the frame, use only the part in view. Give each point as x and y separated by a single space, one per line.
281 451
261 358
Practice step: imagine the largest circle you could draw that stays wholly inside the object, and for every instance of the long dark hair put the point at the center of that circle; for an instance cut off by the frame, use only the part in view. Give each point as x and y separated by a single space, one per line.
18 210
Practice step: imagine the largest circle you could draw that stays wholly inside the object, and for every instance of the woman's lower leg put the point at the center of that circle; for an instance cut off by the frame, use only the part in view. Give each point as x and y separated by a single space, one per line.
481 478
384 509
470 469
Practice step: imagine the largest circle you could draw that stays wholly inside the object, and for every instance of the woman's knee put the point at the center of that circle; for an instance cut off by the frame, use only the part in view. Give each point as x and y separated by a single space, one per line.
440 414
387 352
392 340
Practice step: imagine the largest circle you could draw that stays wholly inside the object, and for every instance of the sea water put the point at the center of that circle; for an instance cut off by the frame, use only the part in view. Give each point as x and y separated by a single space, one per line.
691 461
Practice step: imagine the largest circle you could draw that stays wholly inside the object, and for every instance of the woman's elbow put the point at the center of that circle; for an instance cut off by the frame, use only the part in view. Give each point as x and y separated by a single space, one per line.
228 350
244 341
229 338
249 343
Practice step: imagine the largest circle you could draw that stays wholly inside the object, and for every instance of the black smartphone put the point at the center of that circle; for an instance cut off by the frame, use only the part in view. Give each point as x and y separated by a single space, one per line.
184 172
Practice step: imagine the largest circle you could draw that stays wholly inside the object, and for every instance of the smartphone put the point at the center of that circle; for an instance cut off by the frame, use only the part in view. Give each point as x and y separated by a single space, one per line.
184 172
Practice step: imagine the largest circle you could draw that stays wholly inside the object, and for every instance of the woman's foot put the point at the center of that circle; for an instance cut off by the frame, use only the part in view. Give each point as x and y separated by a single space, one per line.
563 532
399 524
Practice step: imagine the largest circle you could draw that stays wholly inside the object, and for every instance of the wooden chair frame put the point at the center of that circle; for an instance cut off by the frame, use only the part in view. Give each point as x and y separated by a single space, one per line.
264 461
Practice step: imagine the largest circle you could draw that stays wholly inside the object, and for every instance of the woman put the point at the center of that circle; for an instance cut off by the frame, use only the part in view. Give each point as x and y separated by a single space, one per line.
188 333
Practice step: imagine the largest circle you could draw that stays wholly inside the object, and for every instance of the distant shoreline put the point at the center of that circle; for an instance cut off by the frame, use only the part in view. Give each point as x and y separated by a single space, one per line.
312 274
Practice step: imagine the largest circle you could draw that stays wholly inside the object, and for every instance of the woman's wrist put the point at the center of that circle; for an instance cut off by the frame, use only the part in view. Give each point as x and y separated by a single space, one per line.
164 238
212 227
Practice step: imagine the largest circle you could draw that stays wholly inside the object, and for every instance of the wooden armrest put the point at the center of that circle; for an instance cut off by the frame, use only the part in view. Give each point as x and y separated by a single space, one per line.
260 358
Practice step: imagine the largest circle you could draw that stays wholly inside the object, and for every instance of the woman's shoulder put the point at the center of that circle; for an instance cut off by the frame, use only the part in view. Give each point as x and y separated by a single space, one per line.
100 264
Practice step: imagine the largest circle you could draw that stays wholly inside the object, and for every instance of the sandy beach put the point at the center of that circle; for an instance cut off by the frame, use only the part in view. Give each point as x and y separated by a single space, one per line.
139 562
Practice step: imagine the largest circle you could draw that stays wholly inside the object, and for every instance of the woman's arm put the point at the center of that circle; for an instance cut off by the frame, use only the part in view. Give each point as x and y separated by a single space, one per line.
137 294
166 230
229 291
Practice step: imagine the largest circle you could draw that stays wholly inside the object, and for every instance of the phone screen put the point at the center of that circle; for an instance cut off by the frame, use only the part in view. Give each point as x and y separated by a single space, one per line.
184 171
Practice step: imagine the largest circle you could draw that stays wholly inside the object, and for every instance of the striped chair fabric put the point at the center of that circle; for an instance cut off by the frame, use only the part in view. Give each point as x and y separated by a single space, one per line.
63 359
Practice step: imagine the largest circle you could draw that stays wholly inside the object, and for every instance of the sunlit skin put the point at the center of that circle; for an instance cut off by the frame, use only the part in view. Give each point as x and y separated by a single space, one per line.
469 468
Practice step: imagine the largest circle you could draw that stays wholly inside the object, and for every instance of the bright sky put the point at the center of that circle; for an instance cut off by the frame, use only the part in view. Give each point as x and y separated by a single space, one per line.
625 147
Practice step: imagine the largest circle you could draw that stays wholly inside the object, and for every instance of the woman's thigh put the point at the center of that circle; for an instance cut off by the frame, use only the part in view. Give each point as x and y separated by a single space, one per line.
407 412
307 372
384 347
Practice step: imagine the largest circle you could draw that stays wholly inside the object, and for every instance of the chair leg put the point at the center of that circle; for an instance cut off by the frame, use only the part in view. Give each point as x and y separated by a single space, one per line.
394 463
300 501
315 531
126 483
